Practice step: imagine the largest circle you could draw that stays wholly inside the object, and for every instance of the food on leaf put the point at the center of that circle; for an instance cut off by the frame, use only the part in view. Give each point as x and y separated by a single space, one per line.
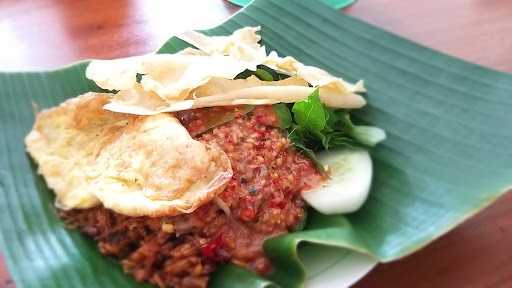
202 155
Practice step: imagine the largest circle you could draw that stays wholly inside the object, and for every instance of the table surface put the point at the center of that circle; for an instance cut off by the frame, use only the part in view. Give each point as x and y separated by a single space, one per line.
47 34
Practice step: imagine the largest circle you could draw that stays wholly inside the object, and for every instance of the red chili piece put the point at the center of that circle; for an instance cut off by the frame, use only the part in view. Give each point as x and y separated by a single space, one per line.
277 203
211 248
247 212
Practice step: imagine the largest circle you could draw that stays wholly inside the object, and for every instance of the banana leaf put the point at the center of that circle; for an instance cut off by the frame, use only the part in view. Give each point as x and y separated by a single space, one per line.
336 4
447 156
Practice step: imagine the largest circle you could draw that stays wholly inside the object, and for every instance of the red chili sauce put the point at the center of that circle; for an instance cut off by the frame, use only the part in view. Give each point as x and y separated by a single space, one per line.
261 200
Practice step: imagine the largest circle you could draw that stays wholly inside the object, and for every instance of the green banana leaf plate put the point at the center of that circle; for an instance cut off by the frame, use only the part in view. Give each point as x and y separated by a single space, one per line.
447 156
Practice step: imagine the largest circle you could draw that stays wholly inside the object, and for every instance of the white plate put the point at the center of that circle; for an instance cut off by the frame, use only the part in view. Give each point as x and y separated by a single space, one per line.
332 267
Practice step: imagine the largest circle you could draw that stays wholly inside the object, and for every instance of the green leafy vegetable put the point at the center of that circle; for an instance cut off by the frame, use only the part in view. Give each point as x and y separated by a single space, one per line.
275 74
337 139
295 134
330 119
263 75
263 72
283 114
310 113
366 135
317 127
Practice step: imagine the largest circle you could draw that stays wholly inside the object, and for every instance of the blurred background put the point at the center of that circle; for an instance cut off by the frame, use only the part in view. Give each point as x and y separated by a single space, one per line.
49 33
41 34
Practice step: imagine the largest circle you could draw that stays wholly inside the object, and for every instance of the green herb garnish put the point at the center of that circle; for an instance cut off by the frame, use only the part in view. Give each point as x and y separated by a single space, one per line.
283 114
313 127
263 73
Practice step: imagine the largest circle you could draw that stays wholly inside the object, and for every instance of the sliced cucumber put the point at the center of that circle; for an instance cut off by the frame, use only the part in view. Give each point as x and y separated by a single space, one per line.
349 183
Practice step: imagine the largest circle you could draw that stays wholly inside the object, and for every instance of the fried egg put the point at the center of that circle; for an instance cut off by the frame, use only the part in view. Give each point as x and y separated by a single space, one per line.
134 165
